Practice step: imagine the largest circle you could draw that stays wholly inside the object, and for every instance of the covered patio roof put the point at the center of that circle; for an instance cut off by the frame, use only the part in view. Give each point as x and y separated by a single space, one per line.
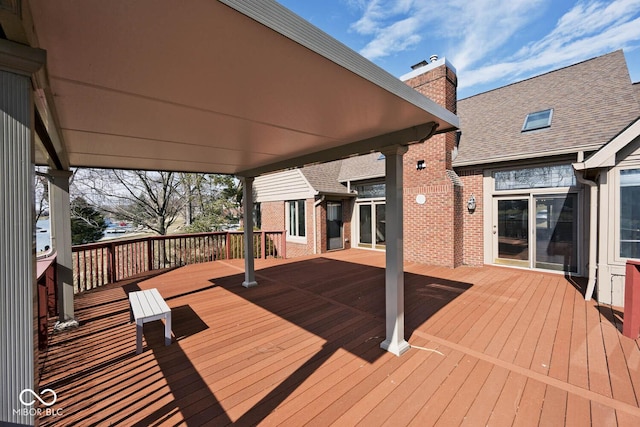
224 86
219 86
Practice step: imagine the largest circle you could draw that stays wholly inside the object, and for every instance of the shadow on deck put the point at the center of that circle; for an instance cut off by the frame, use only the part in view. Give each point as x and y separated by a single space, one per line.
303 347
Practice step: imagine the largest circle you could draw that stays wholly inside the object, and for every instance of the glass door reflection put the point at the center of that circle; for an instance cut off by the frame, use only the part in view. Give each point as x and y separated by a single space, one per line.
511 232
556 232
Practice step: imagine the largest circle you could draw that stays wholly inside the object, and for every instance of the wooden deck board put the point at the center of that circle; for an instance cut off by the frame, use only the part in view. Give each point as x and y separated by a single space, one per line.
457 409
491 346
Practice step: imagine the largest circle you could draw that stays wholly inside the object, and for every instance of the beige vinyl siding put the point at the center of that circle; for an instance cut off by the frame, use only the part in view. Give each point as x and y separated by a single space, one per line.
629 155
287 185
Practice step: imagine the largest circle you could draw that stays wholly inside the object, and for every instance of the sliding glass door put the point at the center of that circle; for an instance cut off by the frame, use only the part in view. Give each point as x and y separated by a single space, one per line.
371 225
537 231
556 232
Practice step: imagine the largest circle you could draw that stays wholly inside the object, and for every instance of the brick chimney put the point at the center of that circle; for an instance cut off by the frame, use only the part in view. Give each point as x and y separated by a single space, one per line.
433 204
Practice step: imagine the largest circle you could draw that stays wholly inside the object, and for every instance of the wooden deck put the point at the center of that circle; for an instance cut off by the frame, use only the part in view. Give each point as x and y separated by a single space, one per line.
491 346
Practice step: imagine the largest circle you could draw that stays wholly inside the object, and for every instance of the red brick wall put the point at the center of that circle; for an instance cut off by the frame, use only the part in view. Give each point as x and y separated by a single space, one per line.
347 212
473 222
273 218
433 231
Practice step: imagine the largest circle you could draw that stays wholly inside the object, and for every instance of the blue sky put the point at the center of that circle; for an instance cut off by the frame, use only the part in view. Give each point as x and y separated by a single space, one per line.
491 43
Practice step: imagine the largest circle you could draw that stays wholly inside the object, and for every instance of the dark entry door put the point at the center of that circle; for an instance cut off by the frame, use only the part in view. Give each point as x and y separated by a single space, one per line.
334 225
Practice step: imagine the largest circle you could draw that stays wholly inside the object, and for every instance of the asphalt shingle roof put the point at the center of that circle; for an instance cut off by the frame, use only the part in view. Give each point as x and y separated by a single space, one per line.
323 177
362 167
592 102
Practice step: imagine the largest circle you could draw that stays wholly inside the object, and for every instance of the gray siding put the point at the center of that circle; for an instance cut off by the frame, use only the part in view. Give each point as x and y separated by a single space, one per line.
17 323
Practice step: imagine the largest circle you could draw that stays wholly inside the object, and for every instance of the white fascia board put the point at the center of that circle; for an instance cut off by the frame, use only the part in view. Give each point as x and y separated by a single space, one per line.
311 189
606 156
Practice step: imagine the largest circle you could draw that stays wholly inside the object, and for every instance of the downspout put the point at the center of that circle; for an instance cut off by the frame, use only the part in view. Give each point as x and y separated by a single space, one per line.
593 232
315 229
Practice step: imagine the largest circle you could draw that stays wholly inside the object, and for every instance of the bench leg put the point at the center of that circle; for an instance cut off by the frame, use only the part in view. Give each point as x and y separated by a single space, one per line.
167 329
139 324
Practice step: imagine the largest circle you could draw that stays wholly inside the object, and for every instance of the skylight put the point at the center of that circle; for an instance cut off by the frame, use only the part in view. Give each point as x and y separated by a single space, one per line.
538 120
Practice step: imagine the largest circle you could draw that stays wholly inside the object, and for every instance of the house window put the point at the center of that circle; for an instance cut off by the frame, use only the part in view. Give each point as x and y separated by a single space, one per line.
538 120
630 213
551 176
370 191
296 219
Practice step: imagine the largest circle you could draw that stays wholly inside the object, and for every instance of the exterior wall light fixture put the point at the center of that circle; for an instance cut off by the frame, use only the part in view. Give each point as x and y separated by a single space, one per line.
420 165
471 204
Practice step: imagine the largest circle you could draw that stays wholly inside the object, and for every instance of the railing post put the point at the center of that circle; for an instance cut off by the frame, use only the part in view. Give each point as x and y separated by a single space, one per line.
283 244
113 274
227 248
150 254
263 245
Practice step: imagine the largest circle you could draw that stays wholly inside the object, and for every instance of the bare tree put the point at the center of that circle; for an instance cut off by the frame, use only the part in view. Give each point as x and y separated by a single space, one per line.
148 199
41 187
195 187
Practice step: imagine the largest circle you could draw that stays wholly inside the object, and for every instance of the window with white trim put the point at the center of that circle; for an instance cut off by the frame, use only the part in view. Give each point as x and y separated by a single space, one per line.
296 219
630 213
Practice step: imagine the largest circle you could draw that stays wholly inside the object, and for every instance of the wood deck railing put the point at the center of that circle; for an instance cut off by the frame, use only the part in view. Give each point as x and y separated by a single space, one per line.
97 264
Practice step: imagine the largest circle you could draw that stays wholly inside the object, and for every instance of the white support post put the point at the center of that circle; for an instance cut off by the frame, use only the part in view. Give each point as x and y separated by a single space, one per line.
394 272
18 309
60 220
247 202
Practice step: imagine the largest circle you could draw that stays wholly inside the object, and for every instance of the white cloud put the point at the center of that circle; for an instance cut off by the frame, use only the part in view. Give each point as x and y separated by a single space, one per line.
474 27
473 34
589 29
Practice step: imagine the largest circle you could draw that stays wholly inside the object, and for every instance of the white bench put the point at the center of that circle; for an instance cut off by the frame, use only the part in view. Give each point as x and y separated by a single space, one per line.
147 306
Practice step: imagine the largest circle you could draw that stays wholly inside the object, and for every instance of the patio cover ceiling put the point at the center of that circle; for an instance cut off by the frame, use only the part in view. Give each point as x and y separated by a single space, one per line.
227 86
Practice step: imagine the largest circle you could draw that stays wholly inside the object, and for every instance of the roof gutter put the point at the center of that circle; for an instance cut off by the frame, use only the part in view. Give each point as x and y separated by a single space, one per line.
593 229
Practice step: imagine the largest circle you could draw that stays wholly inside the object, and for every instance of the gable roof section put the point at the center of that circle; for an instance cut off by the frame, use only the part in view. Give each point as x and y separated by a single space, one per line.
606 156
324 177
592 101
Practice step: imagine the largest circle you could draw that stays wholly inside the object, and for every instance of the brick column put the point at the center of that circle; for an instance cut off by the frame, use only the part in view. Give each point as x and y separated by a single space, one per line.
433 193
